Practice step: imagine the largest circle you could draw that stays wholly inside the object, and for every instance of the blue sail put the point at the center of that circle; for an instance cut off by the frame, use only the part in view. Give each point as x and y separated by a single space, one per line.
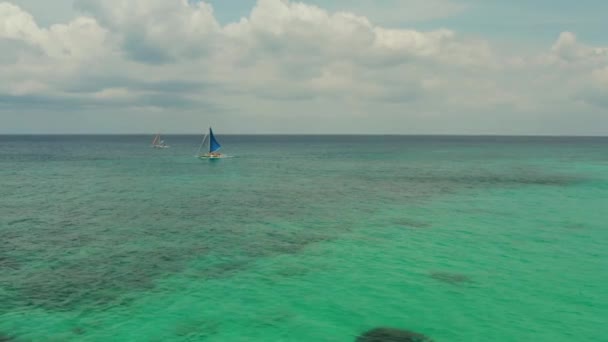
213 144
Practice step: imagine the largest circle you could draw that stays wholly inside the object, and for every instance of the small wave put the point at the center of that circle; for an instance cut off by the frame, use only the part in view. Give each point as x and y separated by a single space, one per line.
23 220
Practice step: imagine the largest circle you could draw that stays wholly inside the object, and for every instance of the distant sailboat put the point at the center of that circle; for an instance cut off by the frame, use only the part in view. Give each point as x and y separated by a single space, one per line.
158 142
213 147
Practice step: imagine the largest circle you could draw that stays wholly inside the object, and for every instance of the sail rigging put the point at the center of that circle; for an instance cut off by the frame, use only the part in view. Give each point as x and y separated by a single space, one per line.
158 142
211 145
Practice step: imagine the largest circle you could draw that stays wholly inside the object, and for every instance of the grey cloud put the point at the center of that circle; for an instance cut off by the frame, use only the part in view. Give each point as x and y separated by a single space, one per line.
12 50
156 31
159 100
98 83
138 49
400 95
293 95
34 101
597 97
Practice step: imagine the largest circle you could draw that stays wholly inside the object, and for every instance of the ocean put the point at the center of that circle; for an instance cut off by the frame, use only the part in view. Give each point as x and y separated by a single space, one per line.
303 238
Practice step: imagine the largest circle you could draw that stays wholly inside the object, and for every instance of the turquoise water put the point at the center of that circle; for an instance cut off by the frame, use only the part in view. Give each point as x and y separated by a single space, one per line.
303 238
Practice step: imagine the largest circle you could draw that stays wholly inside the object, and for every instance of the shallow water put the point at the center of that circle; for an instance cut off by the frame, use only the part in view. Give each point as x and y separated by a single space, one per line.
303 238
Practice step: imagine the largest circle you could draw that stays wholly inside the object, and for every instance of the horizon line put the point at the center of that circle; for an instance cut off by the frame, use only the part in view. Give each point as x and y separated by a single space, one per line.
319 134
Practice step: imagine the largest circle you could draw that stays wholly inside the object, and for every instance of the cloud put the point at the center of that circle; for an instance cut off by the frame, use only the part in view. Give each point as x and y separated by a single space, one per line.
48 13
596 93
286 61
399 12
568 49
79 39
601 76
156 31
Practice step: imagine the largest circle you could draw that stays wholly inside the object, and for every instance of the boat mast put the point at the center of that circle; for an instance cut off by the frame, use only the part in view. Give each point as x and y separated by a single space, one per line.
201 147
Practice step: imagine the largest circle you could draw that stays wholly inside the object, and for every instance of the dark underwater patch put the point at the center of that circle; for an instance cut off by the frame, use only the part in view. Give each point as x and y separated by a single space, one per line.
78 330
412 223
97 265
574 226
276 244
296 243
450 278
293 271
114 278
445 182
197 330
503 180
224 270
8 263
6 338
284 243
100 280
23 220
273 319
547 180
391 335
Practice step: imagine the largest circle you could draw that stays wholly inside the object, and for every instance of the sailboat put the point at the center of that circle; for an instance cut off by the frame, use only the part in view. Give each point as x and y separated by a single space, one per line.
213 147
158 142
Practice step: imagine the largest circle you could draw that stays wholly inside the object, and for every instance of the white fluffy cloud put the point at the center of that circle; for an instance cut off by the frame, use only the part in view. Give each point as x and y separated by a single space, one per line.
567 50
288 62
154 30
79 39
394 12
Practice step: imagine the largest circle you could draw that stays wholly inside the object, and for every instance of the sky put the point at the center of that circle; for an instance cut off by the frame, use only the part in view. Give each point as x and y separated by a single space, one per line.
515 67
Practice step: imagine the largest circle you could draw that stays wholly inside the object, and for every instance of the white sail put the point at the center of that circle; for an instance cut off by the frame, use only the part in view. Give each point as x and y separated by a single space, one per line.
158 143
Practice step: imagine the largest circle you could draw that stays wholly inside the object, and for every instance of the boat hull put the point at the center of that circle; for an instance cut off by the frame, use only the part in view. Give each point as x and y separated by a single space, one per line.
207 157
